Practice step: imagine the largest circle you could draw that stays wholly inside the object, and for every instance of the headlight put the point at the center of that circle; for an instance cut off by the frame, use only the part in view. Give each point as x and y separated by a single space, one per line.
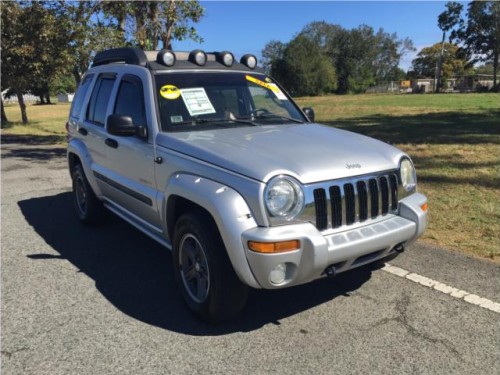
408 175
284 198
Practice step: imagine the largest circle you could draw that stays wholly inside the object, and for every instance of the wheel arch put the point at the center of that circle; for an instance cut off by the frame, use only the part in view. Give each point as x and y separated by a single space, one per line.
226 208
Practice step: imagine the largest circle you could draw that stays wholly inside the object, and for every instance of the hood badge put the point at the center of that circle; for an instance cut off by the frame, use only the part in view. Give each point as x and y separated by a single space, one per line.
352 166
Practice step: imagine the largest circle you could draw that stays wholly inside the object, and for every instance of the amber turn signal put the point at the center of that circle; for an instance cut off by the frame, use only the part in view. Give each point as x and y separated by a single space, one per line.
424 207
274 247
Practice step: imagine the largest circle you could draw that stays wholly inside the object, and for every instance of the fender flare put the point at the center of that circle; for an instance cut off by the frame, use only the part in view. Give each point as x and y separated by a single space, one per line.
228 209
78 148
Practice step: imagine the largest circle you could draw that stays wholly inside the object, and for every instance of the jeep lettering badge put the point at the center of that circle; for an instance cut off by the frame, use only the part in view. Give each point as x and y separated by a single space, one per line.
215 161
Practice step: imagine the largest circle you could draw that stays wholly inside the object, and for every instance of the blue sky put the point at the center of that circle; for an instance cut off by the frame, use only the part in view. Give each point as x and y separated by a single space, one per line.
246 26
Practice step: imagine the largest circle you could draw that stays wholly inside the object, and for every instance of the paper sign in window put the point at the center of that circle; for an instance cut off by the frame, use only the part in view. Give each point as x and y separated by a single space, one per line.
197 102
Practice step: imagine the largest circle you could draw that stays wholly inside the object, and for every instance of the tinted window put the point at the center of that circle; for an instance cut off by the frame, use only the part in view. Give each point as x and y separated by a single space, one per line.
80 95
99 100
129 101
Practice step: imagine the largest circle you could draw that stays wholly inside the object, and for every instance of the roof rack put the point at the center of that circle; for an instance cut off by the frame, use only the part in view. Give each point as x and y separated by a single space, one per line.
128 55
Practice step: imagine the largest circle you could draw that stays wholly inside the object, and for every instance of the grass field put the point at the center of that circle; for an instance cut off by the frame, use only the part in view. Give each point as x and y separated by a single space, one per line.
454 140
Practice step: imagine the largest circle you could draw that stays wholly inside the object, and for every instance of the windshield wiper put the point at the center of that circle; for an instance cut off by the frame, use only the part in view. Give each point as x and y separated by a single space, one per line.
216 121
271 115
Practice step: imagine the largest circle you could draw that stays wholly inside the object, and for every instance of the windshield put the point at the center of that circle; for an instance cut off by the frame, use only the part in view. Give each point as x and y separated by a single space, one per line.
196 101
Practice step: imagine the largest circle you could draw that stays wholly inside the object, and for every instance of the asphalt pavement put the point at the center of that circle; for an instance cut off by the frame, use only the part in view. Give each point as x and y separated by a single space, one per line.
80 300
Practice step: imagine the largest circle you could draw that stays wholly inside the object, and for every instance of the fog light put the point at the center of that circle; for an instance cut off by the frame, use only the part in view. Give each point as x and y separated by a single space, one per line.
278 274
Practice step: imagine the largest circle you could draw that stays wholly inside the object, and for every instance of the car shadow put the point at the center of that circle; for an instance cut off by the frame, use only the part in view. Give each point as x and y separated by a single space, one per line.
134 273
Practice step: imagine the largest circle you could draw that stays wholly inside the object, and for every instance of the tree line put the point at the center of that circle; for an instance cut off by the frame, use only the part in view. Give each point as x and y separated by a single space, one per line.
327 58
48 45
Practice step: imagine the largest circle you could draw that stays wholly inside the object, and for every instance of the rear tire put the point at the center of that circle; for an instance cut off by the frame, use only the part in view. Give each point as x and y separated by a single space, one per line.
88 208
203 271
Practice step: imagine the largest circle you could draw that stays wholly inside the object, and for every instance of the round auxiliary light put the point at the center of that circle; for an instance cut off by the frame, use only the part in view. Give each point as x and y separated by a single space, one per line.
225 58
166 57
198 57
249 60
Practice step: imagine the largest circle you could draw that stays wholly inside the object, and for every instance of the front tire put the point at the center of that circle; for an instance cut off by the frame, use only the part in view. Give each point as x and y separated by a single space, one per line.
88 207
203 271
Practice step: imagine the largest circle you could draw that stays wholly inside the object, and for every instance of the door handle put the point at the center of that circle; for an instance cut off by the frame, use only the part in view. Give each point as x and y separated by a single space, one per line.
111 143
83 131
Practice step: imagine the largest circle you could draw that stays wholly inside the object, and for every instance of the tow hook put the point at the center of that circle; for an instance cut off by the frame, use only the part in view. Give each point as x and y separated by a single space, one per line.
330 272
399 248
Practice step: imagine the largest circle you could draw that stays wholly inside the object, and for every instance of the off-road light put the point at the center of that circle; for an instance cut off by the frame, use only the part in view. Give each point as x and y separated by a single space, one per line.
225 58
249 60
278 274
198 57
166 57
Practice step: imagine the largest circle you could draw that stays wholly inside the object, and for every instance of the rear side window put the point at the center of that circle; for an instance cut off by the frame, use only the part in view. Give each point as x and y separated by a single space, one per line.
130 101
80 95
96 111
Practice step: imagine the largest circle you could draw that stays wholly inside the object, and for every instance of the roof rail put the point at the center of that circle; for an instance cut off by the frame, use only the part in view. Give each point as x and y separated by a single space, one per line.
128 55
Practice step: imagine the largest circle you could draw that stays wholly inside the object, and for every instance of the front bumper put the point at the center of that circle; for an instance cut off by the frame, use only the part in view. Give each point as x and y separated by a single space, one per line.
344 250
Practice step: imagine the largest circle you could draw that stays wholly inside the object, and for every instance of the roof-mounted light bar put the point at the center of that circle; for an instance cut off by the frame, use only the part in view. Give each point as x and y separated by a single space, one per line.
225 57
166 57
249 60
198 57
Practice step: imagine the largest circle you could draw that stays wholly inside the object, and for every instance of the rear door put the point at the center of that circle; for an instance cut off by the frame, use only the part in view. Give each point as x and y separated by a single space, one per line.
128 169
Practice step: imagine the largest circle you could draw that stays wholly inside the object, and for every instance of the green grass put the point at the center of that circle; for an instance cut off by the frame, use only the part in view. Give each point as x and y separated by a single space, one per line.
46 123
454 140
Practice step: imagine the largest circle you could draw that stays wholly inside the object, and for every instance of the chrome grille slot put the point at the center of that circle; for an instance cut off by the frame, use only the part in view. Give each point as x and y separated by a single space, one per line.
355 200
321 210
336 206
384 189
363 200
374 197
350 204
394 191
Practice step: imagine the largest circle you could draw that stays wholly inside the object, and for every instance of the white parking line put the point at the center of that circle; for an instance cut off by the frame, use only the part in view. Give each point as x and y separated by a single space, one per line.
443 288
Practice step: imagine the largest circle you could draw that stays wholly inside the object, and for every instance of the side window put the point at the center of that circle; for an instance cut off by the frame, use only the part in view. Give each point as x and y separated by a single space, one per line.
130 100
96 111
80 95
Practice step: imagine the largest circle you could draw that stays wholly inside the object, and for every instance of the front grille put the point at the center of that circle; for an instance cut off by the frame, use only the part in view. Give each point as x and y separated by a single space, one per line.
353 201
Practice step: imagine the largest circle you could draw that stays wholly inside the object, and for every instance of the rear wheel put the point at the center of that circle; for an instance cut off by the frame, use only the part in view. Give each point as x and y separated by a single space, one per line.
87 206
203 271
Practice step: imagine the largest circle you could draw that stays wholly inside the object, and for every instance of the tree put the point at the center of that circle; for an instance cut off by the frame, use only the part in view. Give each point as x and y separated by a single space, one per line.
88 33
271 54
361 57
480 33
453 64
17 54
304 70
446 21
148 23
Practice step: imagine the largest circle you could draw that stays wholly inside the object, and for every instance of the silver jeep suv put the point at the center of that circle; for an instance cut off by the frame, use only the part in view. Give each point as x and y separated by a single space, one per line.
214 160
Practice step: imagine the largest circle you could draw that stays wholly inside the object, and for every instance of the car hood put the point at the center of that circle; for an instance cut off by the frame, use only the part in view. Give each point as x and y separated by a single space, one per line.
308 152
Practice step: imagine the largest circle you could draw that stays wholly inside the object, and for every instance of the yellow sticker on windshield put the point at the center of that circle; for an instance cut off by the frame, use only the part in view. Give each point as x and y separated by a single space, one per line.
170 92
269 86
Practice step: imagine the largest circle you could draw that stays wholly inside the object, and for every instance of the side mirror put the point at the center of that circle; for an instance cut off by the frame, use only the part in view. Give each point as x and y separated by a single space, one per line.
121 126
309 112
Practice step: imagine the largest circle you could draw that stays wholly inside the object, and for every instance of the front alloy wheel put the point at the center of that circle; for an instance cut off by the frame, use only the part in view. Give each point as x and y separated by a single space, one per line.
203 271
193 268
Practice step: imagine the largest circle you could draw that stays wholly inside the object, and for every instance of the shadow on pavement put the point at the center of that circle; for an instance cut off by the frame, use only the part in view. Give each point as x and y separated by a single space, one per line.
135 273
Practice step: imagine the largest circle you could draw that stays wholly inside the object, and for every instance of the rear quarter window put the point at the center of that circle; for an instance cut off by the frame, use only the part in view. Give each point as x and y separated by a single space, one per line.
81 93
